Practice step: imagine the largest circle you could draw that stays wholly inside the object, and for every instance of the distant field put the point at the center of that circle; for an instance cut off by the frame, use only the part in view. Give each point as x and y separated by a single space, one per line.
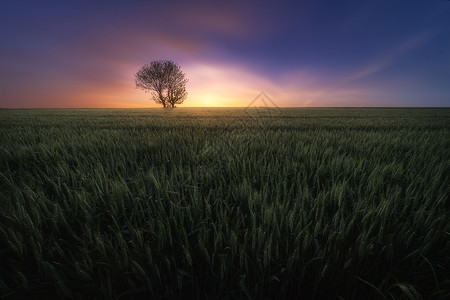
225 203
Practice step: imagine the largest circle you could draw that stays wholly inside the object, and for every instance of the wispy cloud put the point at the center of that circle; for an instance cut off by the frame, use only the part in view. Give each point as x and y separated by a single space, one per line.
389 58
85 55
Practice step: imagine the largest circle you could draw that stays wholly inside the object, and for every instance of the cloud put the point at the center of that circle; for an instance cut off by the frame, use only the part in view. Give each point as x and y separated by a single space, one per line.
85 55
220 21
380 63
222 84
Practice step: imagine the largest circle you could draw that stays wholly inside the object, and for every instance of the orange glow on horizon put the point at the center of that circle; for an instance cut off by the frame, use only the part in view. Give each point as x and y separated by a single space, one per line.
209 85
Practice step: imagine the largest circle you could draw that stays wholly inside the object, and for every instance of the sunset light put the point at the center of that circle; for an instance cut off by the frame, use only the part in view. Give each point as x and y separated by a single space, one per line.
339 54
224 149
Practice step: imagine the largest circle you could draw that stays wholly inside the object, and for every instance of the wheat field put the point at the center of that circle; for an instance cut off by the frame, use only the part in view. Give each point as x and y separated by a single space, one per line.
294 203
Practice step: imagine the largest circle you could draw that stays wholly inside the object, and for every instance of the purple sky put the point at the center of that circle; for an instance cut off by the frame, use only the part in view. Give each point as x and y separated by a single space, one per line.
301 53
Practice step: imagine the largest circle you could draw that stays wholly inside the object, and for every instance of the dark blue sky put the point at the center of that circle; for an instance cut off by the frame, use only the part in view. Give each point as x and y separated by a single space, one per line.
302 53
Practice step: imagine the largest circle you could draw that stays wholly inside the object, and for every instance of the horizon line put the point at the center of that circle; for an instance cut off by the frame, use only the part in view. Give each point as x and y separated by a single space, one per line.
193 107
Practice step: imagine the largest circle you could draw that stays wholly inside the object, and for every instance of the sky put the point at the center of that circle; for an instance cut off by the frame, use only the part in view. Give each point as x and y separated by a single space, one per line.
321 53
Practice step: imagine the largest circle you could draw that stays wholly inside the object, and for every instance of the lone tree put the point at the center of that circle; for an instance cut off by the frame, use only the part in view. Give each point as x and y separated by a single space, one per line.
165 80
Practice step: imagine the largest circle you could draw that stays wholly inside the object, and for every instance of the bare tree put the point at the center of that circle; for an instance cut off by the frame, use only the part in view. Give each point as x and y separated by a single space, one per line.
165 80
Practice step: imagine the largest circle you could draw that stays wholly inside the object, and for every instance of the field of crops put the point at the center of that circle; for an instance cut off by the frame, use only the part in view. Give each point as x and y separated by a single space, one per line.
225 203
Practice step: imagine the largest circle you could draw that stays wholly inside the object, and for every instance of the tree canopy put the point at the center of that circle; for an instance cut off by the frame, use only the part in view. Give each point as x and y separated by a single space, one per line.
164 80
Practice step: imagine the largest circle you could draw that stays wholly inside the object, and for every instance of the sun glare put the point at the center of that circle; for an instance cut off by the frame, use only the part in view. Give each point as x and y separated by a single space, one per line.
210 100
